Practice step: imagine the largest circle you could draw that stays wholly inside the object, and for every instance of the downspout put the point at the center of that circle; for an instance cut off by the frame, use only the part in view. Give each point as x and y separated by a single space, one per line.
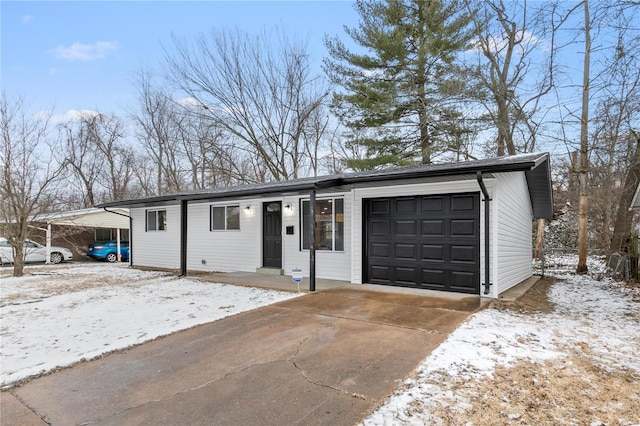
130 234
312 242
183 238
487 221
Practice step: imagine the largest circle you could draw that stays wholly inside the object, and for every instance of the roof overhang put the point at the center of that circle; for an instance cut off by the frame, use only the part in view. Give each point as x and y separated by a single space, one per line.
535 166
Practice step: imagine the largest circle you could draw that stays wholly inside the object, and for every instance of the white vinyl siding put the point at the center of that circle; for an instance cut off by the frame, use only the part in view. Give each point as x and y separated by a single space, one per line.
156 249
241 250
237 250
513 232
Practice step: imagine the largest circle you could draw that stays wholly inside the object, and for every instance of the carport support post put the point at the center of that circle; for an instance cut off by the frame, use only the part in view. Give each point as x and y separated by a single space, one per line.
118 244
48 245
312 242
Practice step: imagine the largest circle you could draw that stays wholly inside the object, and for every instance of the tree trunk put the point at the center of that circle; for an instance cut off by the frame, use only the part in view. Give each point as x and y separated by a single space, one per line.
18 261
539 239
583 203
624 216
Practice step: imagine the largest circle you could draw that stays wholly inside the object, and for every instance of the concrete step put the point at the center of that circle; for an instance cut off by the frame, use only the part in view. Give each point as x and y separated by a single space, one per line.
269 271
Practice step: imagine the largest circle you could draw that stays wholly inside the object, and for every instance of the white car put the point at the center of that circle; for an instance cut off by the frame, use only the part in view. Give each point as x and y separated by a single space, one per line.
33 252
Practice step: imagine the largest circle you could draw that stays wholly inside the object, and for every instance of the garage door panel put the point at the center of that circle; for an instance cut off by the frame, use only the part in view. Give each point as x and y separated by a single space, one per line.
463 254
406 252
380 207
434 278
432 253
405 206
380 274
381 250
405 275
464 228
433 228
427 242
463 203
406 228
379 228
432 205
461 280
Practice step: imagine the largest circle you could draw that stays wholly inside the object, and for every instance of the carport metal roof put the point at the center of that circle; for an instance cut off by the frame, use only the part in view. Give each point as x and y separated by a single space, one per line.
89 218
536 167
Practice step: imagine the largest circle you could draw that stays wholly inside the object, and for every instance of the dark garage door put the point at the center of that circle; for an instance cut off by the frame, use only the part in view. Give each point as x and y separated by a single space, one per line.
430 242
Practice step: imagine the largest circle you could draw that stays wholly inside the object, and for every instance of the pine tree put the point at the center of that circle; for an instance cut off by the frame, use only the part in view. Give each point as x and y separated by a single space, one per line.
401 98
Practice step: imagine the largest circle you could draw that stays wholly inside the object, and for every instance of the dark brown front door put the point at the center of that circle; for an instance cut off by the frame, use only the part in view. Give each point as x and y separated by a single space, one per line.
272 235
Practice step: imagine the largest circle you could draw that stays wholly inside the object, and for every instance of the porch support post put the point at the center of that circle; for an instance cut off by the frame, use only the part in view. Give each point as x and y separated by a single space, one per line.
312 242
118 245
183 238
48 244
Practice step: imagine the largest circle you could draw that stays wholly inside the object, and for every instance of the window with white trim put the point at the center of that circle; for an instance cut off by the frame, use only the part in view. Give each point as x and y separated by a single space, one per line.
329 232
224 218
156 220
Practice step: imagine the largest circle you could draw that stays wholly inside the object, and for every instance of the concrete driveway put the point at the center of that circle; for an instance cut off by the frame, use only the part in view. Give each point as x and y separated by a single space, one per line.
323 358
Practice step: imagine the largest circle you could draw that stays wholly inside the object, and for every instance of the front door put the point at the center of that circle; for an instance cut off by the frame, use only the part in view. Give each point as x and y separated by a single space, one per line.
272 235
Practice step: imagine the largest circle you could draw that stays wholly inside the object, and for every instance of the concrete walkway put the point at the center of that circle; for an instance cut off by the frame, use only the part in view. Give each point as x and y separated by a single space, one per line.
324 358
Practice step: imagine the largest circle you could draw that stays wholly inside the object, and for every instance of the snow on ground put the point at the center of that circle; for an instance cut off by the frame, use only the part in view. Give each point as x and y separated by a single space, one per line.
60 315
598 318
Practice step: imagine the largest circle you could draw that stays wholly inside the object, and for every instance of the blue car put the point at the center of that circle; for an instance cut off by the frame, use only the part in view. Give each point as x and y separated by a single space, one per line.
108 251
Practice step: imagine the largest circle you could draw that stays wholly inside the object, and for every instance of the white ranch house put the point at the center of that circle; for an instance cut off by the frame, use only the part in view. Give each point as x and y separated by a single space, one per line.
462 227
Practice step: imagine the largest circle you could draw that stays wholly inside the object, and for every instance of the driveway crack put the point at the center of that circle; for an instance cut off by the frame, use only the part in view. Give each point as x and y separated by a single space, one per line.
291 359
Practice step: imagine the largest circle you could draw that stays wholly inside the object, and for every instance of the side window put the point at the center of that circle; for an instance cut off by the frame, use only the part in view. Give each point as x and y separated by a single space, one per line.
103 234
224 218
156 220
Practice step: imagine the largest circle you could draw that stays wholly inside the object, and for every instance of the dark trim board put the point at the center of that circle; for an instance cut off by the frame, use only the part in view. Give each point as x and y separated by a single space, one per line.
423 241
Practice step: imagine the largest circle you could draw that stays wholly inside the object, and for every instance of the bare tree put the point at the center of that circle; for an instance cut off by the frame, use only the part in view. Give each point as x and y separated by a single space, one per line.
260 90
29 176
583 176
156 125
511 37
84 162
108 136
101 164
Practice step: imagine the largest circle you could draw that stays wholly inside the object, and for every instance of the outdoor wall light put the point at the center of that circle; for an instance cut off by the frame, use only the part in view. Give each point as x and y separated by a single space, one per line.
287 206
248 209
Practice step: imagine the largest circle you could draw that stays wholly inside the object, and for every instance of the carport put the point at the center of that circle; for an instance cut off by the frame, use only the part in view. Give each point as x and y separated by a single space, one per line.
117 218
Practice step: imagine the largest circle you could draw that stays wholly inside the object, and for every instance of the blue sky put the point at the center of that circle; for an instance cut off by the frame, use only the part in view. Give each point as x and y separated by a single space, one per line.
82 55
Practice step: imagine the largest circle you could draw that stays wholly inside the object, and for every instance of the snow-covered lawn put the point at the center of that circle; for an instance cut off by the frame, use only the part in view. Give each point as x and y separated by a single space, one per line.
567 354
576 363
59 315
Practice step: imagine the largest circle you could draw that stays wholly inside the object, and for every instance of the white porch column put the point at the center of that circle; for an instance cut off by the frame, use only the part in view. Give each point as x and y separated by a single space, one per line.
118 244
48 244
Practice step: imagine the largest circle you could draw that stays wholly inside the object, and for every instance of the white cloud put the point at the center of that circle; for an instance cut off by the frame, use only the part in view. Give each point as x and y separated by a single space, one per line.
53 71
72 115
498 44
85 52
26 18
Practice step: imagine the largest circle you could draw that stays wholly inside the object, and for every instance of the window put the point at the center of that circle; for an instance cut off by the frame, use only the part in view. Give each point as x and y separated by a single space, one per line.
225 218
156 220
105 234
329 232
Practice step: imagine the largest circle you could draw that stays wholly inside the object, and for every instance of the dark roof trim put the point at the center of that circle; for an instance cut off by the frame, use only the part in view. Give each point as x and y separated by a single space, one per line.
524 162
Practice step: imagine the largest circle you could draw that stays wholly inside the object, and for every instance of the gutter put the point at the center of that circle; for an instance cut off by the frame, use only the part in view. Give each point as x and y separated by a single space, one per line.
487 221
